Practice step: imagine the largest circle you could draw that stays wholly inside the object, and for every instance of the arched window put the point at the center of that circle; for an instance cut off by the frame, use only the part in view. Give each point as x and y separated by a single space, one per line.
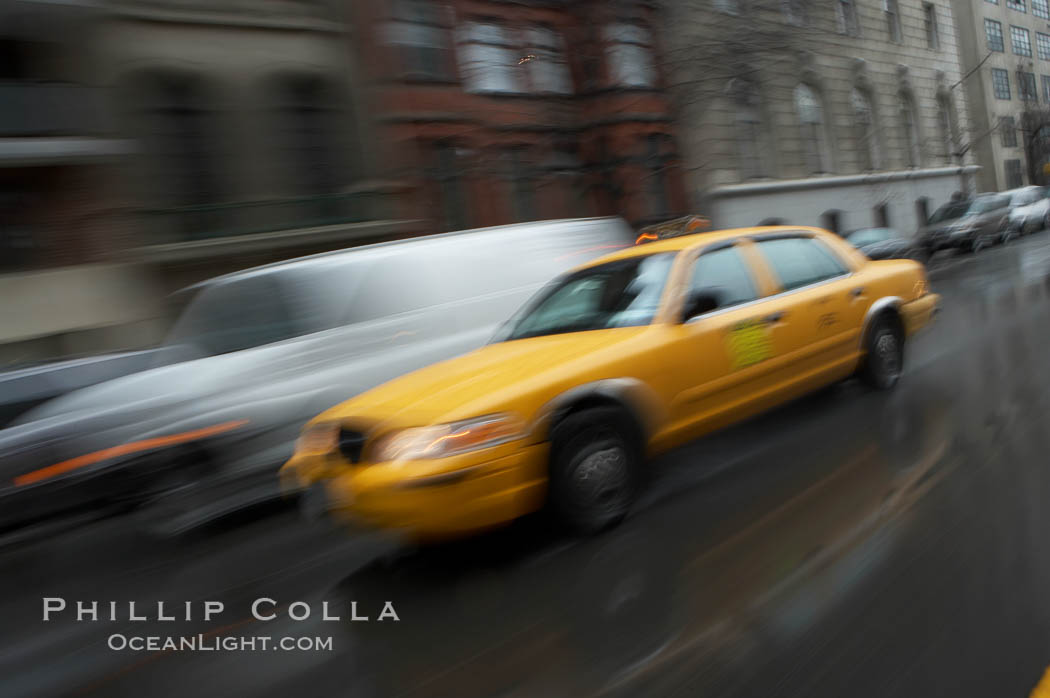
947 127
909 132
814 135
867 136
751 151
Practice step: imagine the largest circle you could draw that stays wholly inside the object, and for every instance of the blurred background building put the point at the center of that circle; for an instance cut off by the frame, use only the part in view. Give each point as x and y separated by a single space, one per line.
148 144
843 115
1004 48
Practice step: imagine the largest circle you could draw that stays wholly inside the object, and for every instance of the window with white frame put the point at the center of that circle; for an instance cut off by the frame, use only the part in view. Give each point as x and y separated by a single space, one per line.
848 22
1001 83
416 28
630 55
909 131
993 34
933 38
866 135
1020 41
893 20
545 61
488 59
1014 178
1041 9
1015 5
813 131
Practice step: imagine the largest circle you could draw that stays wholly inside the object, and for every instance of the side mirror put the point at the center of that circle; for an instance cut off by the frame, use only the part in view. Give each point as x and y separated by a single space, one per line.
699 302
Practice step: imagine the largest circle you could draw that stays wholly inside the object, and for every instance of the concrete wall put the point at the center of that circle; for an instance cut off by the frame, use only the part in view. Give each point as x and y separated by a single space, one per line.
805 202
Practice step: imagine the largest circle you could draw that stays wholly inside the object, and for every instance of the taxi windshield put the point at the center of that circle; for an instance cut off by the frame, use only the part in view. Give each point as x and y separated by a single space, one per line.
623 293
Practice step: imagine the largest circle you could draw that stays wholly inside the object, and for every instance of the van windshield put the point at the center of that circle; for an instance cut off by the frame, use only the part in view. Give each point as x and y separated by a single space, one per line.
235 315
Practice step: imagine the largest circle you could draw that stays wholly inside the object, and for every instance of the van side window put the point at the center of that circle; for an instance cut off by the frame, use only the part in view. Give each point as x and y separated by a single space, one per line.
800 261
724 274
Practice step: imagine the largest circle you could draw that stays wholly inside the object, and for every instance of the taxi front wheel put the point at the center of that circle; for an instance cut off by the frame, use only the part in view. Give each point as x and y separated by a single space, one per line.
593 470
884 356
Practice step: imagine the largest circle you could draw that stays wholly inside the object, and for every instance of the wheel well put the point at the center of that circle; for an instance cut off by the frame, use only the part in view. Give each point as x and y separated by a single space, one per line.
891 314
587 402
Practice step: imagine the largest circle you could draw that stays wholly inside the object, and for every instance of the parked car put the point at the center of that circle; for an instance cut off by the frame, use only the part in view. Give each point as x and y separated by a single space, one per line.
1029 210
264 350
968 225
887 243
624 358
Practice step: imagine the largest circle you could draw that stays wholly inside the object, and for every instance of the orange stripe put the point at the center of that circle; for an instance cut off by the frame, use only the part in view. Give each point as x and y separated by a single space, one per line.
122 450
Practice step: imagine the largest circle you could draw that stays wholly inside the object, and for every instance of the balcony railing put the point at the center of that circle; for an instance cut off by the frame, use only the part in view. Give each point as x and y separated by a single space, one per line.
188 223
49 109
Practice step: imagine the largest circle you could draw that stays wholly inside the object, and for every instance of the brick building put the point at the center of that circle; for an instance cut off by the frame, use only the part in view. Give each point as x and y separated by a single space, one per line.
490 112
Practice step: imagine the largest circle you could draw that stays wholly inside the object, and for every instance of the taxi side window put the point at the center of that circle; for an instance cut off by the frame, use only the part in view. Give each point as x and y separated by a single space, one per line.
800 261
725 275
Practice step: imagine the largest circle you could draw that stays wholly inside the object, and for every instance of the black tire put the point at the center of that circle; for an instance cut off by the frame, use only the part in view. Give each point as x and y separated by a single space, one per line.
594 469
883 354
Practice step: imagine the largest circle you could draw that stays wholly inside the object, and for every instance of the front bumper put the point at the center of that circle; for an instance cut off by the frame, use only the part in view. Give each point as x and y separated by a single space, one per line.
920 312
457 502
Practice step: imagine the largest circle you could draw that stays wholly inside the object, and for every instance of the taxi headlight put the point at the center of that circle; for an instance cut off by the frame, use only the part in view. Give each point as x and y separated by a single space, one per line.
318 438
443 440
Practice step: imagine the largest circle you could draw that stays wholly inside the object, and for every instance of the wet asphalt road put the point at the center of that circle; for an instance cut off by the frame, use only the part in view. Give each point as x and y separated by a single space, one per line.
850 543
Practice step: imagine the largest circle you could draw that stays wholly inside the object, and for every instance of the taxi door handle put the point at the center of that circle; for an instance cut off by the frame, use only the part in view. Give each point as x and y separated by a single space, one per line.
776 317
857 292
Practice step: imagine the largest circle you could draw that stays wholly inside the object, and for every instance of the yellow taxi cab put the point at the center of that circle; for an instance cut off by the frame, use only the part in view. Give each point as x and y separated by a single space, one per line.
623 358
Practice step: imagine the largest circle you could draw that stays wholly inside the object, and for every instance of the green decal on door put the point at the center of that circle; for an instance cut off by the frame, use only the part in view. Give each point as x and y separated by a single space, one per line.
748 343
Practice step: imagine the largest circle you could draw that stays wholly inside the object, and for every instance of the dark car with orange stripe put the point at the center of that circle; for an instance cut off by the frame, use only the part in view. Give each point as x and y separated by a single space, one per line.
257 353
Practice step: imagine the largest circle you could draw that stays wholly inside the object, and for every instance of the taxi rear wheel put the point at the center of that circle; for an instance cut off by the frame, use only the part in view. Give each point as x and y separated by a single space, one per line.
593 470
884 358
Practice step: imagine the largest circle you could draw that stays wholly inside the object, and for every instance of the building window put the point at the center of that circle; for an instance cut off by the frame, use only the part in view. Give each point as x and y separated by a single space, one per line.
488 59
656 160
522 190
794 11
1001 83
416 29
893 20
450 184
910 132
947 126
1008 131
994 2
1026 87
867 137
545 62
1041 9
750 135
730 7
1042 46
1015 5
933 38
1020 41
1046 88
630 56
814 135
848 23
1013 174
993 33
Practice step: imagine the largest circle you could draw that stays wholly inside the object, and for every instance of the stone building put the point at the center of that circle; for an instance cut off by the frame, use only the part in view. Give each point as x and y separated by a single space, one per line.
842 115
1005 47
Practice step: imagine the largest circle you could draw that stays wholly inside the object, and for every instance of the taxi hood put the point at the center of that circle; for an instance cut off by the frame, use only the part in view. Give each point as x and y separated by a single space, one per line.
484 381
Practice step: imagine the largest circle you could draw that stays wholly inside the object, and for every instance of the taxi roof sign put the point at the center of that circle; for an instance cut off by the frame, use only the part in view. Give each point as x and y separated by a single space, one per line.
686 225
